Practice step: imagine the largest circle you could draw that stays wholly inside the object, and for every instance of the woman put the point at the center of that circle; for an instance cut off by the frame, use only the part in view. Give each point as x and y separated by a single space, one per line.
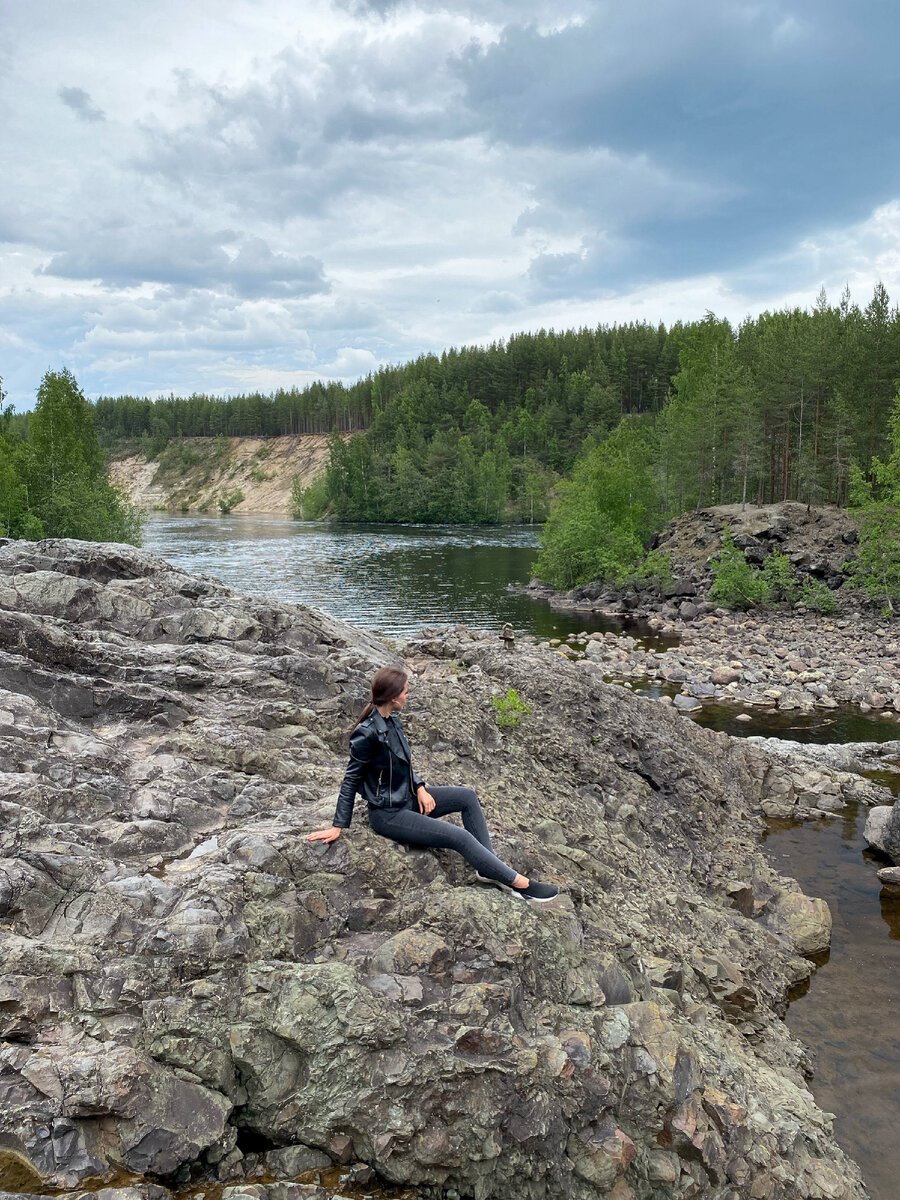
401 807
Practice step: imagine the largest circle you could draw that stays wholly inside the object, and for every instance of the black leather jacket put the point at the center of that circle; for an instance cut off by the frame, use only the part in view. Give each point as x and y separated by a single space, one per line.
380 767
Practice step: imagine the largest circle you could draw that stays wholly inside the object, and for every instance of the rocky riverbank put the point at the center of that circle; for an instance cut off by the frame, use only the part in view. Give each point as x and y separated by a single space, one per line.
784 661
819 543
787 660
195 997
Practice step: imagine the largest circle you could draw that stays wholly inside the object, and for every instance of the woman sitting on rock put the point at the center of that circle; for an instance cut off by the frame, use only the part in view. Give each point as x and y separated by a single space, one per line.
401 807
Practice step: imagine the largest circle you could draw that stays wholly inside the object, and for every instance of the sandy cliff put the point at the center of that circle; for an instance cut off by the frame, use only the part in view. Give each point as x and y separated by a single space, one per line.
194 474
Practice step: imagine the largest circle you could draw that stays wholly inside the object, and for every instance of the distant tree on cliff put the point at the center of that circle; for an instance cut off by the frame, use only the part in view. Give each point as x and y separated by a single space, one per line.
62 474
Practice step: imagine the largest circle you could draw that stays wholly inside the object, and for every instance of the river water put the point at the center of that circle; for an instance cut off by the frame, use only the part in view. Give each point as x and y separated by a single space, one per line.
398 579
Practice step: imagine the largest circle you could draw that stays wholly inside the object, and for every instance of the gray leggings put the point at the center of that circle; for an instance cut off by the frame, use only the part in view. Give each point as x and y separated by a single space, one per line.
418 829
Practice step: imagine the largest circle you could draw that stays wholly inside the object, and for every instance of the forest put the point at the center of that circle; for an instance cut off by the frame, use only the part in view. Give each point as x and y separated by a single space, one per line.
572 427
53 480
775 408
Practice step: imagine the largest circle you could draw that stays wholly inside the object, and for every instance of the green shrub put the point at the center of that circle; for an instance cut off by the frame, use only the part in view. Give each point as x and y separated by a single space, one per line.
227 503
262 452
178 456
736 583
817 597
258 475
656 569
605 513
312 503
779 575
510 709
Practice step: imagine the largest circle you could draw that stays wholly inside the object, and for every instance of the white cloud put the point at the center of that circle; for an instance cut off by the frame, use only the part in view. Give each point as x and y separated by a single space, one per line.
251 193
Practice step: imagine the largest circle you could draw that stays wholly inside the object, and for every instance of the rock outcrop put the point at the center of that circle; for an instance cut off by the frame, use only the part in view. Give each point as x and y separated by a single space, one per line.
818 542
192 993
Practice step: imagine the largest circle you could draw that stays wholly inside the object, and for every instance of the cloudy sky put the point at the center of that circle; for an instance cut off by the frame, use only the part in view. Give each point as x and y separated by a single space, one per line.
222 195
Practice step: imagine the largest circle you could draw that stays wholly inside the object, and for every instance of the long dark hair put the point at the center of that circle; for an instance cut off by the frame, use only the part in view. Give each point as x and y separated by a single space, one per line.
387 683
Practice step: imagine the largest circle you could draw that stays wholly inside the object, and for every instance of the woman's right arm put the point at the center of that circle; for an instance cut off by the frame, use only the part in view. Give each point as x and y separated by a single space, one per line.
362 748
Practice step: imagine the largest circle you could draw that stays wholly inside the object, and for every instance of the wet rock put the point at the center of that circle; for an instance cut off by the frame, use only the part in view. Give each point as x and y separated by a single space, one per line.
883 830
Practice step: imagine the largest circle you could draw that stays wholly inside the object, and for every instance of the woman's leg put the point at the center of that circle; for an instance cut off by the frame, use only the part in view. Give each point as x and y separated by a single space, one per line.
464 801
415 829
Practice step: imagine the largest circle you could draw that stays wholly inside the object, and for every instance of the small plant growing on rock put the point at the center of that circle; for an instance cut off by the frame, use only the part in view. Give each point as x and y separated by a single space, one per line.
779 574
510 708
817 597
656 569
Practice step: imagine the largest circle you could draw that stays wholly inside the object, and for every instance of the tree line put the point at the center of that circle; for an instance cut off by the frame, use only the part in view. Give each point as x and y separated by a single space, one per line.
778 407
636 419
53 480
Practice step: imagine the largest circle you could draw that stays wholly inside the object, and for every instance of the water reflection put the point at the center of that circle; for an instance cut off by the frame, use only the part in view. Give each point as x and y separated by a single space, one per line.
842 1015
821 727
890 909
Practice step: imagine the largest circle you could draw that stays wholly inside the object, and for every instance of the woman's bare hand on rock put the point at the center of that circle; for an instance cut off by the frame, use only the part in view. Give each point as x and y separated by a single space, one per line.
326 835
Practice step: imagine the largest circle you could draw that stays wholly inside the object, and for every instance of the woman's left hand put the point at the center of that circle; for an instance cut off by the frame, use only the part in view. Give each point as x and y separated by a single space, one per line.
425 799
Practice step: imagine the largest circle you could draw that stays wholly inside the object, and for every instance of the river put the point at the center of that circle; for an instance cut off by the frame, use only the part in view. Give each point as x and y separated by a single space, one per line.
398 579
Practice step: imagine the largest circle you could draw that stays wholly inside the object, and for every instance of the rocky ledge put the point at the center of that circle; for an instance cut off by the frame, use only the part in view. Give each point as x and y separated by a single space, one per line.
195 997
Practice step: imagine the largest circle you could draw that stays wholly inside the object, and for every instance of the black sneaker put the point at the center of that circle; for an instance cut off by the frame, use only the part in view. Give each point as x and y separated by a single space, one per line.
537 891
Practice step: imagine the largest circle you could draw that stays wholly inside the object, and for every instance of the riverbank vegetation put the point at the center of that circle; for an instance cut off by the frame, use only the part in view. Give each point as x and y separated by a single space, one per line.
776 408
53 480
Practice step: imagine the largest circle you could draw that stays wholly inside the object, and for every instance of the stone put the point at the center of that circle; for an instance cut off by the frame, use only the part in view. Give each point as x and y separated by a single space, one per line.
291 1161
804 920
180 965
686 703
412 951
740 893
882 830
724 675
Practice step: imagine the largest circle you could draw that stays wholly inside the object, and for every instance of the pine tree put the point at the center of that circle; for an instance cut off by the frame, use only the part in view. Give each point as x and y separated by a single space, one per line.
64 473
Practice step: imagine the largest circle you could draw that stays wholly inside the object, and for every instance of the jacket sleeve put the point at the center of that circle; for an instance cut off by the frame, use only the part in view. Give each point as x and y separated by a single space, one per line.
417 780
362 748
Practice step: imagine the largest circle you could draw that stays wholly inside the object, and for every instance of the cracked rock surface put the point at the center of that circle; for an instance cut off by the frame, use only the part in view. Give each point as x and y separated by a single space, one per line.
193 994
